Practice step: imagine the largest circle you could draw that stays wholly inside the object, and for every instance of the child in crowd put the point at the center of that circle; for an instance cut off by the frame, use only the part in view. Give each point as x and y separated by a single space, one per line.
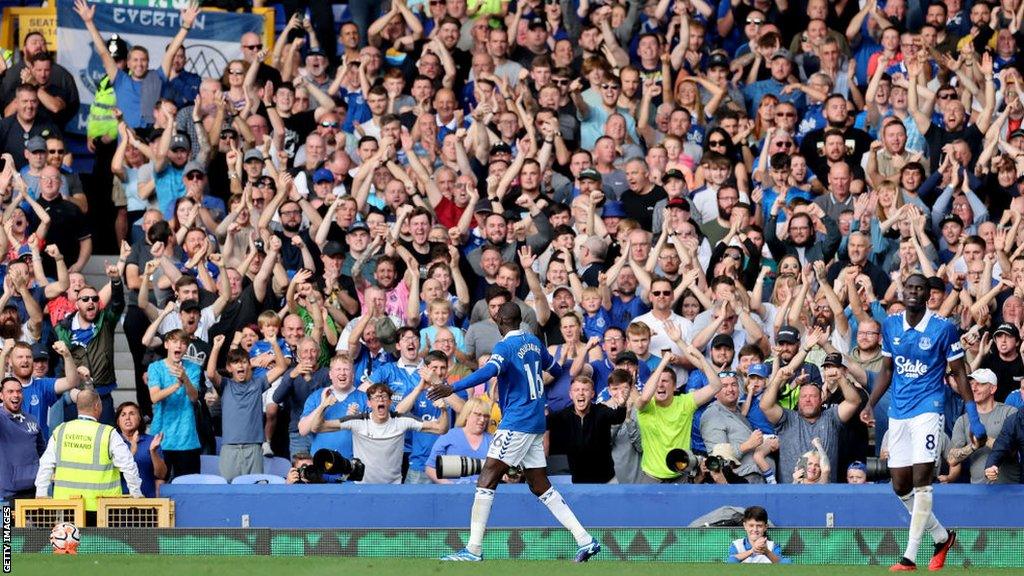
439 313
262 358
757 375
596 304
756 548
241 406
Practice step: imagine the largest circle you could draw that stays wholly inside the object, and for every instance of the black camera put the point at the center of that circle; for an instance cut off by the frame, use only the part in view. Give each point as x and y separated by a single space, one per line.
717 463
876 469
331 467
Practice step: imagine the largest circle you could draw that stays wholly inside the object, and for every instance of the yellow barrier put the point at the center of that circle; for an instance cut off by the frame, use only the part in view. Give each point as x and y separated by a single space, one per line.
44 513
134 513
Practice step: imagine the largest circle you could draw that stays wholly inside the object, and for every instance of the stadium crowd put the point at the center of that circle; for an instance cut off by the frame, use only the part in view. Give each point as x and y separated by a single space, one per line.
705 210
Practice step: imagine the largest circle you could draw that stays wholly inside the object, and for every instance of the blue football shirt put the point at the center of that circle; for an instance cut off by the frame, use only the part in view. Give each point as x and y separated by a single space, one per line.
521 360
919 356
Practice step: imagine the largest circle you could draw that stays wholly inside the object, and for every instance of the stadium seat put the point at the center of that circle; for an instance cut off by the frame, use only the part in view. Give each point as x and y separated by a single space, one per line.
277 466
209 464
199 479
258 479
219 440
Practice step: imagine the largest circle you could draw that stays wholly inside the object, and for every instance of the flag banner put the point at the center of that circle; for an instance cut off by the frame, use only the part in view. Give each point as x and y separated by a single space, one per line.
213 41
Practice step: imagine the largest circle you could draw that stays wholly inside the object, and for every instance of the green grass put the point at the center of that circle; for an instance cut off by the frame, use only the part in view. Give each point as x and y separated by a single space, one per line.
152 565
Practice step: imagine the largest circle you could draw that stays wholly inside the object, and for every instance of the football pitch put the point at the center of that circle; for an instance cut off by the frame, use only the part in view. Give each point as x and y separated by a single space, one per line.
155 565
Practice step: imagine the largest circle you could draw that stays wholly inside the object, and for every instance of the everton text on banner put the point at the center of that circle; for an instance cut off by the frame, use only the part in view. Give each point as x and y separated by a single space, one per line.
212 42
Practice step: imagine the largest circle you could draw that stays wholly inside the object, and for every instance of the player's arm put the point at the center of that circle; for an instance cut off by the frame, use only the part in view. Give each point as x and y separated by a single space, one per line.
481 375
549 364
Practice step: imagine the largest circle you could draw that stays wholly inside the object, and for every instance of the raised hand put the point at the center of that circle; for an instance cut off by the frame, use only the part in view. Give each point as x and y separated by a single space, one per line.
85 11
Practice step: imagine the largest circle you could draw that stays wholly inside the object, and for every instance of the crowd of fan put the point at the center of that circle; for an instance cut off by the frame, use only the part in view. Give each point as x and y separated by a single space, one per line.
704 210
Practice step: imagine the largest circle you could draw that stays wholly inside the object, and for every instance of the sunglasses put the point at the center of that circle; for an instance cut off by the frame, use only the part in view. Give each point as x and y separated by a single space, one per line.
265 183
329 124
235 72
755 21
947 96
560 81
194 176
785 114
60 151
716 142
784 144
609 86
89 298
661 293
254 47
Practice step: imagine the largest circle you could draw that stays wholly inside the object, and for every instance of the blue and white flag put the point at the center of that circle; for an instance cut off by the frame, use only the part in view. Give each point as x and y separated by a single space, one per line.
213 41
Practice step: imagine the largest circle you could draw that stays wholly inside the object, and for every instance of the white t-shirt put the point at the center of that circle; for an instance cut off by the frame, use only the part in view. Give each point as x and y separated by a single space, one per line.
380 446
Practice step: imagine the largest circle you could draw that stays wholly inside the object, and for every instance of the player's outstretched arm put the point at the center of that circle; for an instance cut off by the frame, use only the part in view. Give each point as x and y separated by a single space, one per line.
481 375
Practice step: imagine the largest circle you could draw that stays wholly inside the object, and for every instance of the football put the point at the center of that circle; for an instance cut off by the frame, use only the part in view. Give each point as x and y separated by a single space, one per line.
64 538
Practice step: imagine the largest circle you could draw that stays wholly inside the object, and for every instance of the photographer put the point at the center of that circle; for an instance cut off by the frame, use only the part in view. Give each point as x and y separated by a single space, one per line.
724 423
300 460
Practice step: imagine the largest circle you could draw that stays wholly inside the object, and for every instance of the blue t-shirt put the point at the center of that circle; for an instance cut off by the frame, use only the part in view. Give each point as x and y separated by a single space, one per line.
454 443
38 396
423 442
742 545
1015 399
174 415
242 410
144 460
260 347
624 312
521 361
919 356
129 95
756 416
340 441
595 324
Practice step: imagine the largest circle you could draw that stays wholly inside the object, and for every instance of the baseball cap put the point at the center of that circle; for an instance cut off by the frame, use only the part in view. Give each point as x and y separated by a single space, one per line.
984 376
590 174
501 148
24 253
333 248
627 356
252 154
357 226
760 369
1018 133
673 174
323 175
718 60
614 209
189 306
39 352
782 53
315 52
833 359
117 47
194 166
561 287
787 335
681 203
857 465
534 23
936 283
722 340
228 130
1008 329
36 144
950 218
180 142
483 206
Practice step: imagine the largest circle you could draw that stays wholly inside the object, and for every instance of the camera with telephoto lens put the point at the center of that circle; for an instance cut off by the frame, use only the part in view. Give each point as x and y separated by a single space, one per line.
463 466
682 462
329 467
876 469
